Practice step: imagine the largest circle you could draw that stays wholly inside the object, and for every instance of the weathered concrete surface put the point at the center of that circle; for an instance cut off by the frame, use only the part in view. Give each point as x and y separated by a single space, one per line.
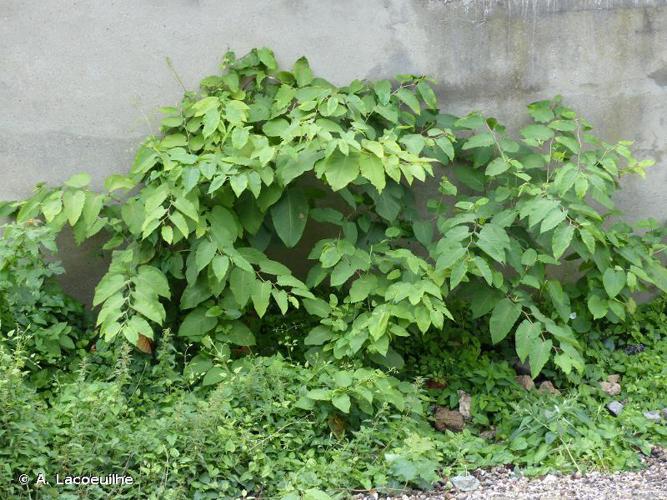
80 81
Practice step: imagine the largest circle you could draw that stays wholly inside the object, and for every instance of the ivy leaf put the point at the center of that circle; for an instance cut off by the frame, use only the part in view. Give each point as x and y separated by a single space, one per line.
503 317
289 216
340 170
613 281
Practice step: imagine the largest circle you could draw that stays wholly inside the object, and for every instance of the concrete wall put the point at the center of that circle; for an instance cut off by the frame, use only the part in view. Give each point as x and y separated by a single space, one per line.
81 80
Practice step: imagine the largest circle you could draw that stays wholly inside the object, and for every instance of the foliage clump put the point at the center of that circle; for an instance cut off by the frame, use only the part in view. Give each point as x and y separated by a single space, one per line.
274 198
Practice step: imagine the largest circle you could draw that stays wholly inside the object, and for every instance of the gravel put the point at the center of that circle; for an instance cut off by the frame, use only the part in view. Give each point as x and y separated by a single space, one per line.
503 483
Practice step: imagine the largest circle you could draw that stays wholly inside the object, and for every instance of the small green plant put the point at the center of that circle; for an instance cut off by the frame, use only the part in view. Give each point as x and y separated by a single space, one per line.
32 302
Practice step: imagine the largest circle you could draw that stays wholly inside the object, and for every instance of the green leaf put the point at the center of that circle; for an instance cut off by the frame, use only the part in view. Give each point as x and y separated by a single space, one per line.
613 281
484 269
539 355
371 168
561 240
302 72
569 143
340 170
240 334
409 99
479 141
205 253
597 306
78 181
107 286
559 298
362 287
196 324
289 216
214 376
525 337
427 94
537 132
503 317
73 202
493 240
260 297
497 167
446 146
241 282
318 336
342 402
154 279
211 121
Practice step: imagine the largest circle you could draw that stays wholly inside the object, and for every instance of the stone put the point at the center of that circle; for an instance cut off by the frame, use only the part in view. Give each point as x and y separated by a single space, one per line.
547 386
663 412
525 381
464 404
614 379
465 483
446 419
653 416
611 388
615 408
488 434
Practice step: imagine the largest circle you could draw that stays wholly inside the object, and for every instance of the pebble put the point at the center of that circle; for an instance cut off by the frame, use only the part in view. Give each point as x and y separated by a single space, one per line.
654 416
465 483
615 408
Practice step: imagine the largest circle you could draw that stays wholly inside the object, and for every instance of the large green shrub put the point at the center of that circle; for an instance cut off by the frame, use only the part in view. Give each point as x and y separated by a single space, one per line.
245 165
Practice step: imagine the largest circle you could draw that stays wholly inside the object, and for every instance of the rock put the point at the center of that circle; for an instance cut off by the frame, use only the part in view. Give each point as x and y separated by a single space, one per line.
615 408
446 419
525 381
614 379
653 416
464 404
547 386
488 434
663 412
465 483
611 388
